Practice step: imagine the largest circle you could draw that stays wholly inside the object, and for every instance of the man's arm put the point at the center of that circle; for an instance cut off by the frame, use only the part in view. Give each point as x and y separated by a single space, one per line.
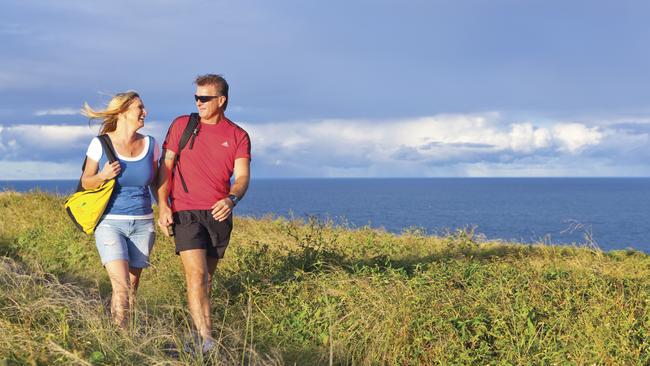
164 181
222 208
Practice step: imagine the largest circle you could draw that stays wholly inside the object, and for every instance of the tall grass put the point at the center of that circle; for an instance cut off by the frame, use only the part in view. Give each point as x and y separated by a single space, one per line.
305 292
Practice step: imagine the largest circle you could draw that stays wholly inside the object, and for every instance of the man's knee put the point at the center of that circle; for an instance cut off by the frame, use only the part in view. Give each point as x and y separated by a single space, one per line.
196 278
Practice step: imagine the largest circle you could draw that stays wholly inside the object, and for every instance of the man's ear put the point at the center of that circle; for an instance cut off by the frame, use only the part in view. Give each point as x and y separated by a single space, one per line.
222 101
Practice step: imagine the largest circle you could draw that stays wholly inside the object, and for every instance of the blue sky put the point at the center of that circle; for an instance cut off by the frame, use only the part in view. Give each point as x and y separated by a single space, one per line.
342 88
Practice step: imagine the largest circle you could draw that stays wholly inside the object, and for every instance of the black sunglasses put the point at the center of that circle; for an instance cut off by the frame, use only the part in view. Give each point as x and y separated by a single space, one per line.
205 98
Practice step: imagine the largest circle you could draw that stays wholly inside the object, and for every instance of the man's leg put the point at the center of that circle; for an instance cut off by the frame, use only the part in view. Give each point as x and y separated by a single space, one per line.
212 266
195 265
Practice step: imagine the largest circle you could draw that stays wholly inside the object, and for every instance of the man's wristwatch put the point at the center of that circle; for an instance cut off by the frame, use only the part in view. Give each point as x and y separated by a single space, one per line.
234 199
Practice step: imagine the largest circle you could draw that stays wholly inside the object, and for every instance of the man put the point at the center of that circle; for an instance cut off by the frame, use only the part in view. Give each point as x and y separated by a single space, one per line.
202 199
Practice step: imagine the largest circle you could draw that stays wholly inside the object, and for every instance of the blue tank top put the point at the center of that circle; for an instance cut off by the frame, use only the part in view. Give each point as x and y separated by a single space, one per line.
131 195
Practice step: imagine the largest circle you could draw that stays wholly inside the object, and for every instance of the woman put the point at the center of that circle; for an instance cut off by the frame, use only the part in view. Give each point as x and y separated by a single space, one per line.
125 234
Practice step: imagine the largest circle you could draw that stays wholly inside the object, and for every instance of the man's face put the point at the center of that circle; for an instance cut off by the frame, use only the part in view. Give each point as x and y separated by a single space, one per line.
211 108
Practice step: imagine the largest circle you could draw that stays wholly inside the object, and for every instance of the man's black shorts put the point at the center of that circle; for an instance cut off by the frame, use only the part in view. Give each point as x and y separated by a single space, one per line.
197 229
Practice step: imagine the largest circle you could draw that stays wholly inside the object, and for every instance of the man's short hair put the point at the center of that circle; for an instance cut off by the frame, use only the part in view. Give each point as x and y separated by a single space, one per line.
218 81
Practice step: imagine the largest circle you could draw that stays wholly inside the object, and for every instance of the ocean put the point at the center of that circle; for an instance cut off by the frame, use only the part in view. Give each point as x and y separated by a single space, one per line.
613 213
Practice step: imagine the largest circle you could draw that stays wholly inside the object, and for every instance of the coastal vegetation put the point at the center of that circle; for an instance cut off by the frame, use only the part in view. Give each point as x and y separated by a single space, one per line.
306 292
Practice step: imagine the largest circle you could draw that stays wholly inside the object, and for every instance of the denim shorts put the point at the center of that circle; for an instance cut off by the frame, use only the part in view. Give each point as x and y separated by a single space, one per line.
129 240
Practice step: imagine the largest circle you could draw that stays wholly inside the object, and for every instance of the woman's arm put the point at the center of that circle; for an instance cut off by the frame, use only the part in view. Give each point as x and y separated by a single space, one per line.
153 186
91 178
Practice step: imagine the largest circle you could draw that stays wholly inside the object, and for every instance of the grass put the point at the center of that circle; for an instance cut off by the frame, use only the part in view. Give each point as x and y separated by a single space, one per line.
306 292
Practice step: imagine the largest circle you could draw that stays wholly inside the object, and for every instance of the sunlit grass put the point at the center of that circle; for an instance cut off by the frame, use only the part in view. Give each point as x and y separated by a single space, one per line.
292 292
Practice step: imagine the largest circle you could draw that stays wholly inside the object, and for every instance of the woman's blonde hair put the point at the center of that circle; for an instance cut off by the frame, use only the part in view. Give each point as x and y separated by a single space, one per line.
118 104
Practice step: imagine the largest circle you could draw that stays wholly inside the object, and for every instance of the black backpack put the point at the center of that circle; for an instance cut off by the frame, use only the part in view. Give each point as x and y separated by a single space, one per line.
191 130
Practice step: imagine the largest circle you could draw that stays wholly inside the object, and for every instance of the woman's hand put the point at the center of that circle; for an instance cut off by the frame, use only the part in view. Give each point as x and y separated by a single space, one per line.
110 170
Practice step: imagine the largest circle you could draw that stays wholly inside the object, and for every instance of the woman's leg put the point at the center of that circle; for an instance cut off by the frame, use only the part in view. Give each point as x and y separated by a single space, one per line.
134 277
113 251
139 243
118 272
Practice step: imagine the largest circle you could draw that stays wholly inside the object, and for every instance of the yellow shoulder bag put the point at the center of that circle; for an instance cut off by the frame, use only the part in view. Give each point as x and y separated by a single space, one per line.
86 207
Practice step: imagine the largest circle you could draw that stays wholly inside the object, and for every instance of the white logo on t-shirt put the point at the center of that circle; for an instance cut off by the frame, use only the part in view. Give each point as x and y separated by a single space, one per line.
225 144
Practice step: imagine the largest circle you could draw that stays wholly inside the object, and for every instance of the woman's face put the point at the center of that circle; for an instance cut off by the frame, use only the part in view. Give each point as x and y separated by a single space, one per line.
136 113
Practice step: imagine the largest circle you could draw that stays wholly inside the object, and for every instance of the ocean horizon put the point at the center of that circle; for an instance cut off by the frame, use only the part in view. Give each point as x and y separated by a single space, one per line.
611 213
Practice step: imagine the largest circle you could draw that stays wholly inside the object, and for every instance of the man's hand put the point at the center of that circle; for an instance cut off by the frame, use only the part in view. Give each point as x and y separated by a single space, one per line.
222 209
165 218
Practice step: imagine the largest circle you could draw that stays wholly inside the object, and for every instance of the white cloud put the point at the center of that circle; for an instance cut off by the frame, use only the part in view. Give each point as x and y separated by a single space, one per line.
443 145
44 143
574 137
47 137
472 144
526 138
433 138
57 112
59 149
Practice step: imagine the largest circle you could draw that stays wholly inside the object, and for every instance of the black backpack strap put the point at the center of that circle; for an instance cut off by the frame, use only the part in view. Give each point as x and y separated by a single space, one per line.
190 131
107 146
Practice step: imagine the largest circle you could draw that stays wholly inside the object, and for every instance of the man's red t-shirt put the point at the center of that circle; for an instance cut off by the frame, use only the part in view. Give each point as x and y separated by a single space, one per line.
208 165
